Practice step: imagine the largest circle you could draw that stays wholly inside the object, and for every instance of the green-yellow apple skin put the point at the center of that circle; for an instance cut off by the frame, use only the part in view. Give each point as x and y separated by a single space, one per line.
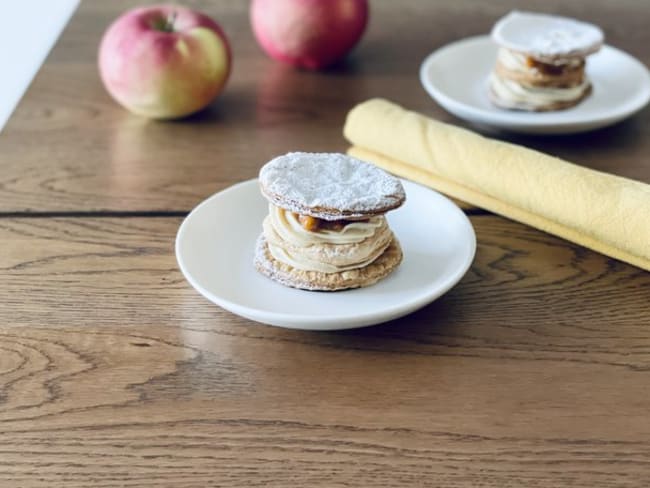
164 62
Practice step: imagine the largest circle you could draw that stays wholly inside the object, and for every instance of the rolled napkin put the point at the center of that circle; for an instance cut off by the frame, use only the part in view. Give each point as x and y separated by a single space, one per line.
603 212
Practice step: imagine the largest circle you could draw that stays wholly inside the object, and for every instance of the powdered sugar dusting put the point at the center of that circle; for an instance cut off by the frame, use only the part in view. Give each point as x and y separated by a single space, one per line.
547 36
329 186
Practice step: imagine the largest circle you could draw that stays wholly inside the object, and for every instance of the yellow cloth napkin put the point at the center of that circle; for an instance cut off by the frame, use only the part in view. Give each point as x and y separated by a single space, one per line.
603 212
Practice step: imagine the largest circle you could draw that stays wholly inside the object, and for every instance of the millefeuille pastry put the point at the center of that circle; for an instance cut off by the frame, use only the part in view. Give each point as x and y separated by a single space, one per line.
326 229
540 63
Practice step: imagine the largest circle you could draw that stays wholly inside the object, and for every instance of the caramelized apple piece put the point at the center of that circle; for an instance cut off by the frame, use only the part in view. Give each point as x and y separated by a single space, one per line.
308 222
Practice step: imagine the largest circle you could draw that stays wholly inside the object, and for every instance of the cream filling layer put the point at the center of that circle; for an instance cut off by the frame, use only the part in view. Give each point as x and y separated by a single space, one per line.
288 227
536 96
295 260
515 61
287 241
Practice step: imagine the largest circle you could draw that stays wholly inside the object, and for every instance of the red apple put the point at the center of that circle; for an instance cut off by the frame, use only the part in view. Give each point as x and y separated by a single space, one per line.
310 34
164 61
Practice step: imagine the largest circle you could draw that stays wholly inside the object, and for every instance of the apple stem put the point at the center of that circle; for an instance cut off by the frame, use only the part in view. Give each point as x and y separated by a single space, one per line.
168 23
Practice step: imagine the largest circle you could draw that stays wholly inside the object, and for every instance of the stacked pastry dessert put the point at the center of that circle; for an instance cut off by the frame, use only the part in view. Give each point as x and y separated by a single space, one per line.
326 228
541 61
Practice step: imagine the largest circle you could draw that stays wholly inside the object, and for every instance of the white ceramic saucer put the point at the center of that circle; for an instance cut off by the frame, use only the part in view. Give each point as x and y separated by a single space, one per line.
456 77
215 245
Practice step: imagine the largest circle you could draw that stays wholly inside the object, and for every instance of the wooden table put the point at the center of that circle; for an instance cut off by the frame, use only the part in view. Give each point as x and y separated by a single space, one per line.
533 372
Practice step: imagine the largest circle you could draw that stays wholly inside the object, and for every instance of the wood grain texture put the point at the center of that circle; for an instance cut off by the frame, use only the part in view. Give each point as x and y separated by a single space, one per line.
69 147
533 371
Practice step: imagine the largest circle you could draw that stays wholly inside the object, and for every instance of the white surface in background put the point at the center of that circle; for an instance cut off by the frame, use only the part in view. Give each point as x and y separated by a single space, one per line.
29 30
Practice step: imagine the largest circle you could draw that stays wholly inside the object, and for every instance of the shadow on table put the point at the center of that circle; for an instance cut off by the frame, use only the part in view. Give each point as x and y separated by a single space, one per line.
424 326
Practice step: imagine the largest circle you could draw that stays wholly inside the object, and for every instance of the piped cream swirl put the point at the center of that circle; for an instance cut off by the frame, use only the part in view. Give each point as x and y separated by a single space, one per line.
535 96
514 82
356 245
516 61
288 227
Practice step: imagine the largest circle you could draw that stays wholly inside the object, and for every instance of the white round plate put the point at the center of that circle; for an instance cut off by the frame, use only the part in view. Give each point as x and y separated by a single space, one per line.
215 249
456 77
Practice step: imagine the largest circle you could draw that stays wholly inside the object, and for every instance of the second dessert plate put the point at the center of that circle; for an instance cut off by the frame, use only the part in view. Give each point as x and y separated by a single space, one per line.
216 242
456 77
